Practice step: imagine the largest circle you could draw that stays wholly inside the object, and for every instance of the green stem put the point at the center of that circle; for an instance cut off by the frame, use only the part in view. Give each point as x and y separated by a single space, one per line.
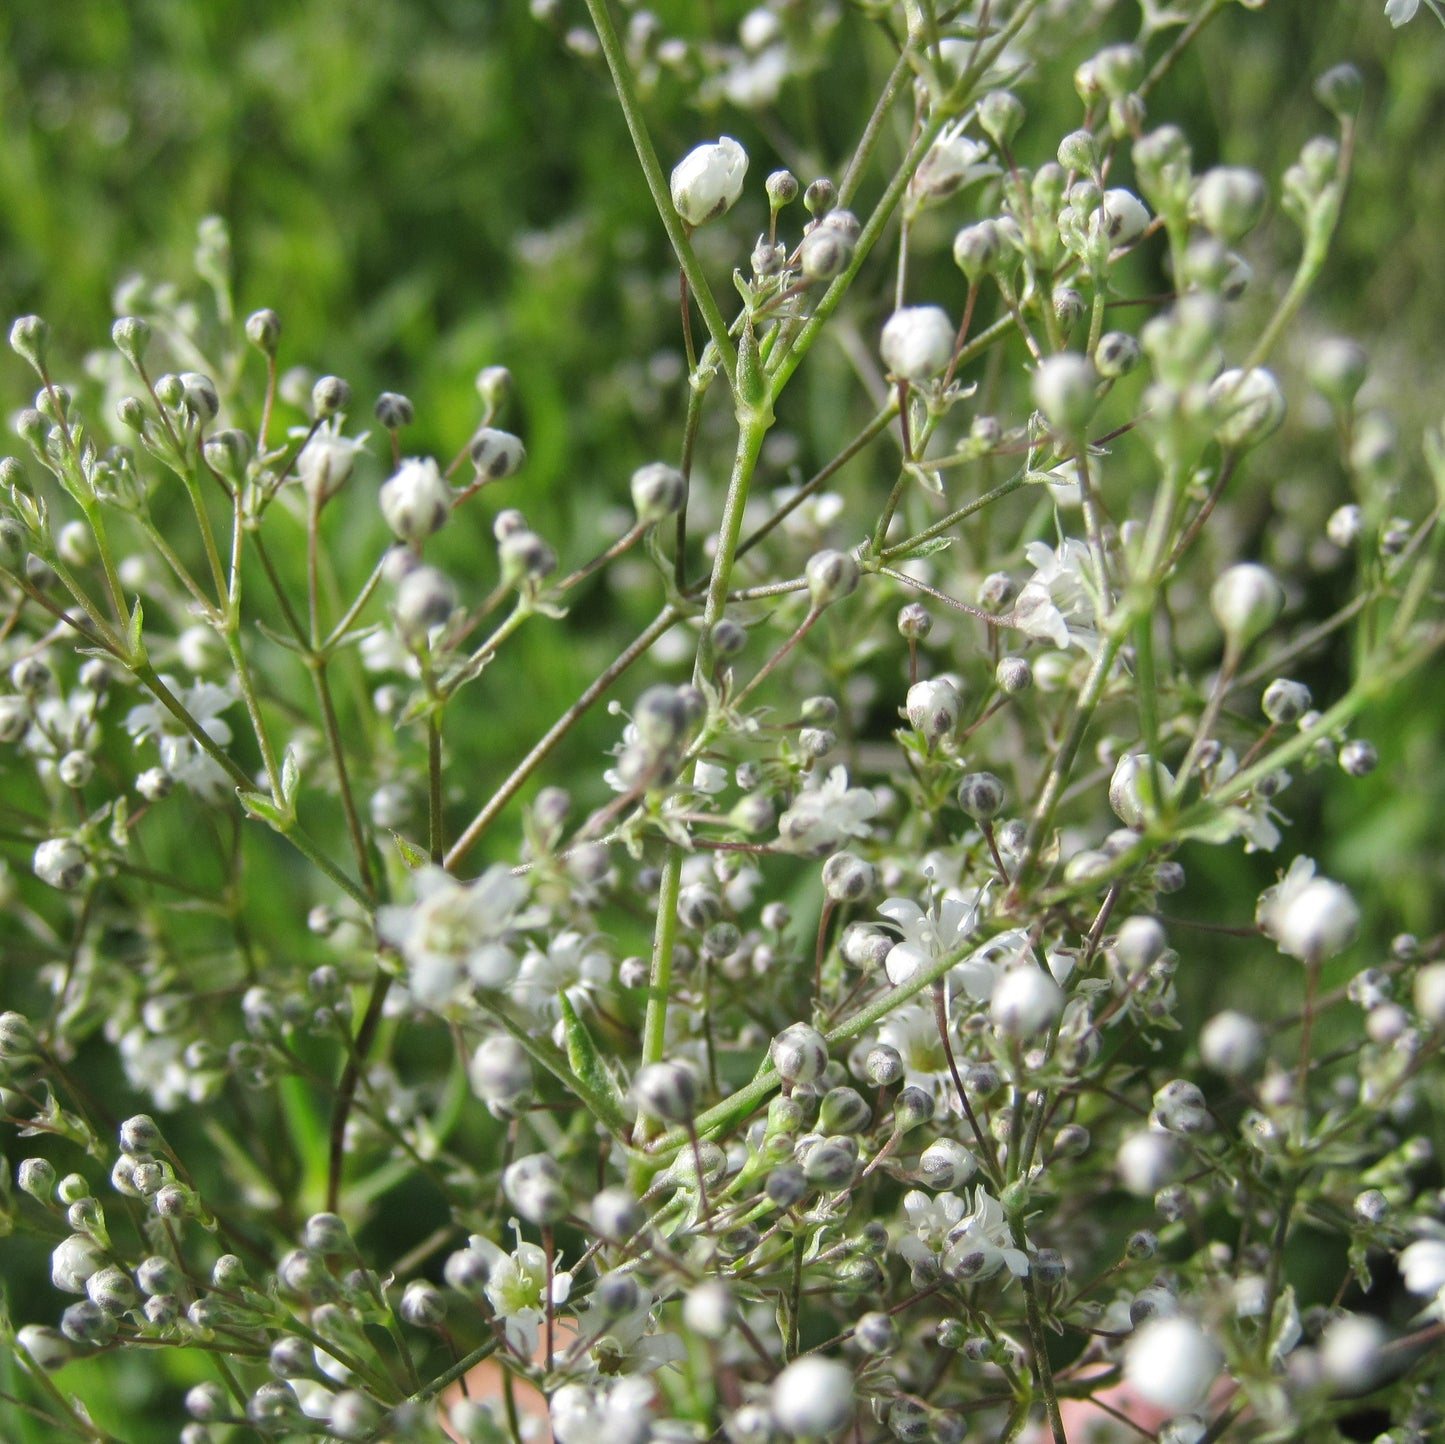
622 81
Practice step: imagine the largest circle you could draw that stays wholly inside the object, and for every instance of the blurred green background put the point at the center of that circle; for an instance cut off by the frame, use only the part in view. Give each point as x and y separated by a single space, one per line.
424 188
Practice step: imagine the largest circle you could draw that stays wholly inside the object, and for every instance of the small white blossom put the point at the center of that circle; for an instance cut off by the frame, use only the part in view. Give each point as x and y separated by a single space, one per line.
456 935
516 1287
981 1243
708 180
927 936
1058 603
953 161
60 862
822 817
181 755
615 1410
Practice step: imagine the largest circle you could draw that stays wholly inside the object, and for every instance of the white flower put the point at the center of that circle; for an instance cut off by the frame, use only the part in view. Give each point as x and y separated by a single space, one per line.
1065 388
1400 12
927 936
416 501
931 1218
1309 917
981 1243
1127 795
823 816
813 1397
628 1344
327 459
181 755
1171 1363
953 161
708 179
457 935
1058 603
917 342
515 1288
571 965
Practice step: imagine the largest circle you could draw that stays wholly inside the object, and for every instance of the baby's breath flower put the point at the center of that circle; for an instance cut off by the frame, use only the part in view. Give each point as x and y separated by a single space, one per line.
328 459
1171 1363
457 936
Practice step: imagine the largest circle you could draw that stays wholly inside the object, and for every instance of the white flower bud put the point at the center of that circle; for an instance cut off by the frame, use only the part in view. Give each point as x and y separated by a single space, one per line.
708 180
1232 1044
1145 1162
1065 389
73 1261
1429 993
1229 200
799 1053
1337 368
500 1071
658 491
1285 701
667 1091
48 1348
1025 1001
1139 942
1122 217
1130 793
1248 407
933 709
1246 601
417 501
1171 1363
981 795
813 1397
1422 1265
946 1165
1352 1352
534 1187
60 861
424 599
1316 922
917 342
832 575
709 1308
496 454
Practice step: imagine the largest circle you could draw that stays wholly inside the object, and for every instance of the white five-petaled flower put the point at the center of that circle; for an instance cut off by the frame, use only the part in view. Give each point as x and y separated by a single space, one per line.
981 1242
457 935
516 1288
628 1343
825 815
708 179
1058 603
927 936
327 459
181 755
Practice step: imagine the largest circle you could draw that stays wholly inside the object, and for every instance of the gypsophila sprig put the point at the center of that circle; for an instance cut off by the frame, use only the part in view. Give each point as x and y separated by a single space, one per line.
671 889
